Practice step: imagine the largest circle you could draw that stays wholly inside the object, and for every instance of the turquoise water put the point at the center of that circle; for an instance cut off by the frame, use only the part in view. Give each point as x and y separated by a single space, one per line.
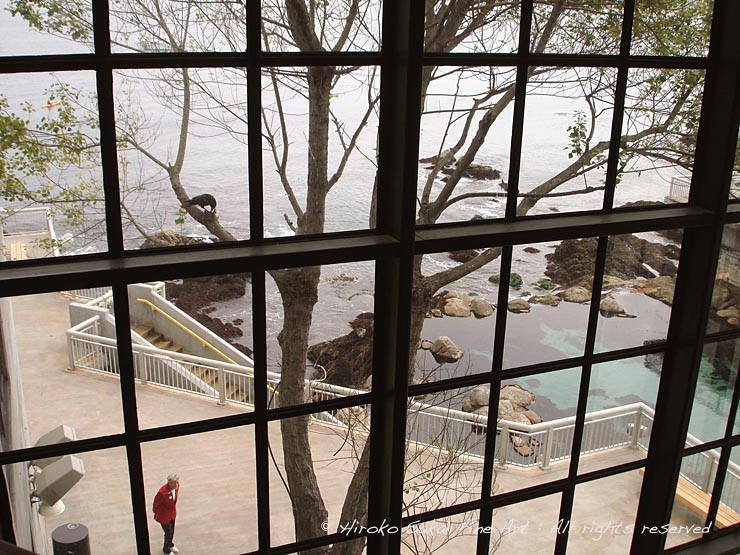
553 333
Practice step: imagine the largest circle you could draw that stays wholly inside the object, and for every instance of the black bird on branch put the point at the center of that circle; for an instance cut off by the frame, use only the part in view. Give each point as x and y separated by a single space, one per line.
202 201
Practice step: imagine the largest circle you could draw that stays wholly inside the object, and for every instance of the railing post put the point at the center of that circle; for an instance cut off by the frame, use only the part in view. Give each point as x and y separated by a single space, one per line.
709 471
70 352
503 448
221 387
141 365
548 449
636 430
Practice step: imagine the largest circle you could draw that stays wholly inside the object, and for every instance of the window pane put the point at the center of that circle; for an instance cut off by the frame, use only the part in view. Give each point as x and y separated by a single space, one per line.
453 534
51 187
176 26
604 514
318 464
489 27
583 27
716 382
454 326
45 27
661 119
215 470
693 495
182 152
444 452
725 312
620 411
53 381
672 28
334 26
548 301
637 291
464 143
536 418
190 349
90 488
735 184
565 145
513 523
320 149
320 324
728 512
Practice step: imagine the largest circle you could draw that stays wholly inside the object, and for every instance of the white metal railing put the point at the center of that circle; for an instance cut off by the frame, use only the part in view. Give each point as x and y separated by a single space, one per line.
519 445
102 296
680 188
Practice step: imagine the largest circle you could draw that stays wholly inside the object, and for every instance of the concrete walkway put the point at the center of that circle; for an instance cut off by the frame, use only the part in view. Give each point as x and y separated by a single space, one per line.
218 508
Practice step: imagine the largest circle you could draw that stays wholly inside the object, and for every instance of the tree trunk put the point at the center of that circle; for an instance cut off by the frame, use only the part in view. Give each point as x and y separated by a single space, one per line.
355 507
299 292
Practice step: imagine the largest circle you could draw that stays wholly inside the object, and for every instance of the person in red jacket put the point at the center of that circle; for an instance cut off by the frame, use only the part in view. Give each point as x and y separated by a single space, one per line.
165 511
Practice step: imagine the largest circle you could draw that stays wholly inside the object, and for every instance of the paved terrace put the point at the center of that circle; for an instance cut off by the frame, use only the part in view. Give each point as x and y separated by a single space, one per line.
217 509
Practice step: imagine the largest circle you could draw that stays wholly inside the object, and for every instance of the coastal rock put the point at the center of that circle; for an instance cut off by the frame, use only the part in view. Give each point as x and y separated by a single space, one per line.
548 300
608 307
505 409
425 344
476 171
517 395
660 288
168 238
728 313
518 306
444 350
481 308
628 257
480 396
436 158
575 295
457 308
348 359
464 255
531 250
532 416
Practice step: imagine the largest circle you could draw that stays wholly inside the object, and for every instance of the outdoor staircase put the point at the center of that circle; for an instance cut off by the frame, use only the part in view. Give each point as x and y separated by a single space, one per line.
207 375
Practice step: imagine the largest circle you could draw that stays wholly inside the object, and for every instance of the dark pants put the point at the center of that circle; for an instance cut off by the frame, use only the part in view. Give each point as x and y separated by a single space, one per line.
169 534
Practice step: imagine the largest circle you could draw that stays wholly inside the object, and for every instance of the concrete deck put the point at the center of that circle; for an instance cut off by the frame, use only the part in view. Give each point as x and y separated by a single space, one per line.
218 507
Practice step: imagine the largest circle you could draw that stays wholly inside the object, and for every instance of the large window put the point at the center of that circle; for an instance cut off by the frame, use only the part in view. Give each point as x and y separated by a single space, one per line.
370 277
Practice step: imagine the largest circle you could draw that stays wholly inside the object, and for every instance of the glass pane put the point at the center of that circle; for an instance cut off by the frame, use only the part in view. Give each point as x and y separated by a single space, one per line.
693 495
725 312
90 489
444 452
50 168
728 512
454 327
319 463
717 378
661 119
637 291
565 145
620 411
214 470
536 417
604 514
584 27
489 27
735 184
56 369
464 143
176 26
453 534
190 348
539 327
182 153
45 27
320 332
334 25
672 28
514 523
320 148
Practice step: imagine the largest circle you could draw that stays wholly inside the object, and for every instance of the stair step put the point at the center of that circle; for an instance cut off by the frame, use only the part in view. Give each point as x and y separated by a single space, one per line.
163 343
142 329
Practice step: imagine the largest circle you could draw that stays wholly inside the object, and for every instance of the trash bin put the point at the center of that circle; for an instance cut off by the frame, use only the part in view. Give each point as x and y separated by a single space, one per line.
71 539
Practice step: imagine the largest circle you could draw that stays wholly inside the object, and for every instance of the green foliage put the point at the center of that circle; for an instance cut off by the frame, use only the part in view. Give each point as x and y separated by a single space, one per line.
515 280
70 18
544 284
495 279
578 134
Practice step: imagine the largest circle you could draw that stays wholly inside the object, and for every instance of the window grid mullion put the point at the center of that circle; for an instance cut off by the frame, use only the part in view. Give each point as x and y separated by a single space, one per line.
254 121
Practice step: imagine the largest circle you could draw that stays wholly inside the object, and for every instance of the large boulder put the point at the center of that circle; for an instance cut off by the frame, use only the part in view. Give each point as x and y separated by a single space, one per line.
481 308
480 396
457 308
609 307
575 294
505 409
517 395
518 306
444 350
168 238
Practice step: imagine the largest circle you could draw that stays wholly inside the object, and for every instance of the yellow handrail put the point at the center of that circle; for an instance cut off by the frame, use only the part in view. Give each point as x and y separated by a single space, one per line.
187 330
203 342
